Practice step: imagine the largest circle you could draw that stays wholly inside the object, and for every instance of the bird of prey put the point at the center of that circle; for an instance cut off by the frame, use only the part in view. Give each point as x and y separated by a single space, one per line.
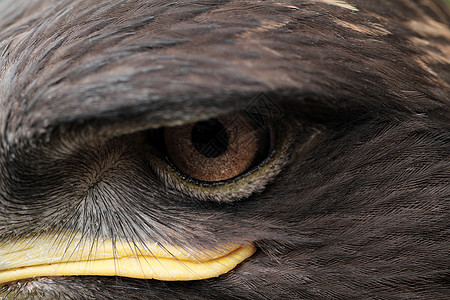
224 149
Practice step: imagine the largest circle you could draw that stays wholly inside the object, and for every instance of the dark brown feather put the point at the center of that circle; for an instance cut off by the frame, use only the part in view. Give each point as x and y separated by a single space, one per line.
362 212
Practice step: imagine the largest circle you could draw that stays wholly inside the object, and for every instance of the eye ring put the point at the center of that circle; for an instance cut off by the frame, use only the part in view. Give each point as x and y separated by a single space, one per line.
252 180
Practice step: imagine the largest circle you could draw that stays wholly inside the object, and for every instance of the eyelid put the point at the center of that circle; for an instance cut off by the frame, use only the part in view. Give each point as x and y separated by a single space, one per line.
239 187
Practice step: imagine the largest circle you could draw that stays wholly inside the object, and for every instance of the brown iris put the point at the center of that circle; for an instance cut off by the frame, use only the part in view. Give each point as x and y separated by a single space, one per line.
214 150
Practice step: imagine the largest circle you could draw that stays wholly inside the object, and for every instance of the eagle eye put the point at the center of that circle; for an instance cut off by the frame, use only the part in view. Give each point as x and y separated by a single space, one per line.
218 149
222 159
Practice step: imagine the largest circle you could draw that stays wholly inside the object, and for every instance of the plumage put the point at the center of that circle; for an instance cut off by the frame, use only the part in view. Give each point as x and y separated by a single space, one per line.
360 206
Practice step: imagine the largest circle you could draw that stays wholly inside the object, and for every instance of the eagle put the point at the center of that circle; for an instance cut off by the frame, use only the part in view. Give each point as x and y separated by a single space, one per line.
224 149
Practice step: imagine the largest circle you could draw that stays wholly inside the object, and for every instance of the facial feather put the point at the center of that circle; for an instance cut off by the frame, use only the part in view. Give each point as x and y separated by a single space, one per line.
359 210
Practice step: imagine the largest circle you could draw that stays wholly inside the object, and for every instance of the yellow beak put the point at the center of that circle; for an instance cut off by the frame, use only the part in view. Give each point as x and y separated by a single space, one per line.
69 255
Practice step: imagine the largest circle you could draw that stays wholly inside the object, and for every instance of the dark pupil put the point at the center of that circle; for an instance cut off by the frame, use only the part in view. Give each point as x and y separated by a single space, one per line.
210 138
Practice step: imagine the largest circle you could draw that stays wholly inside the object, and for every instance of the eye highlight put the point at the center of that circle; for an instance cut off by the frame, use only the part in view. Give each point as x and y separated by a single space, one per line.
217 149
